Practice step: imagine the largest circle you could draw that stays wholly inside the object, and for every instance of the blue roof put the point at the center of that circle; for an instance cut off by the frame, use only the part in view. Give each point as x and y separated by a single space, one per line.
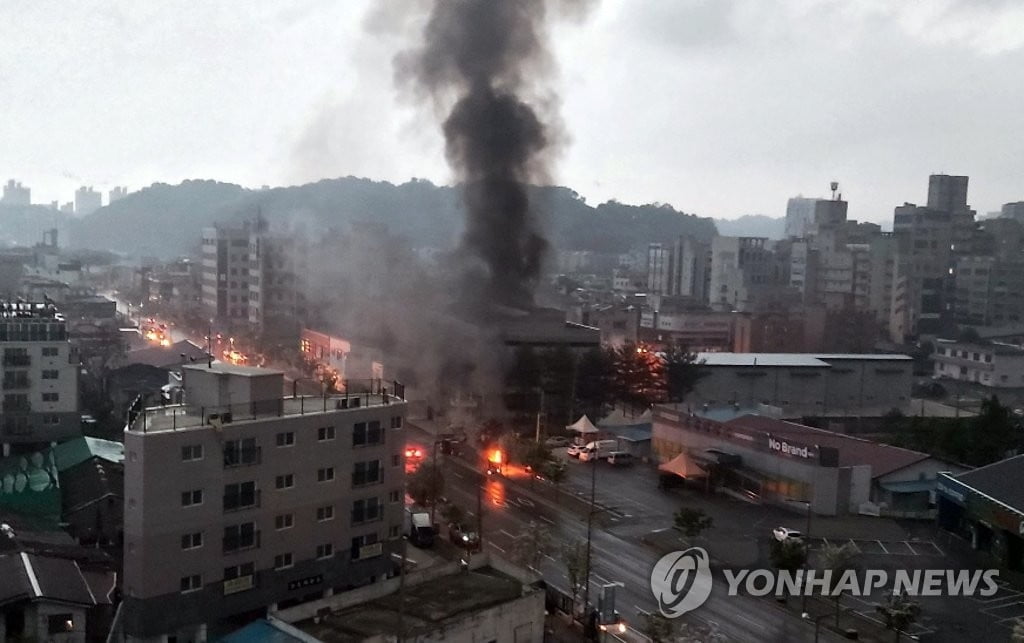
262 631
632 432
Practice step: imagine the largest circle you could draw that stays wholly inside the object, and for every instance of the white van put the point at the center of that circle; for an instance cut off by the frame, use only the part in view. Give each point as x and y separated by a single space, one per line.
598 450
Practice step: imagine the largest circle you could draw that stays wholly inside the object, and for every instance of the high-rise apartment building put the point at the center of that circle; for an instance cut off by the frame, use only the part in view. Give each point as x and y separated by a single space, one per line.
40 377
225 272
240 499
16 194
118 193
799 215
929 242
277 265
1014 211
678 270
743 269
87 200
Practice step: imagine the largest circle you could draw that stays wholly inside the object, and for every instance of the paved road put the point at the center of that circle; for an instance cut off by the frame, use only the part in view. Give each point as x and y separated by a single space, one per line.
617 557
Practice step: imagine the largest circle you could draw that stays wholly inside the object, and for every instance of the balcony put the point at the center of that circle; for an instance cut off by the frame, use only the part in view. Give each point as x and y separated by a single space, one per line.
242 501
17 360
243 457
241 542
17 407
16 383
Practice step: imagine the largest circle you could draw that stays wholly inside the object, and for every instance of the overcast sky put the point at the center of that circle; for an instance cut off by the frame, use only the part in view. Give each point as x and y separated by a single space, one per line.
721 108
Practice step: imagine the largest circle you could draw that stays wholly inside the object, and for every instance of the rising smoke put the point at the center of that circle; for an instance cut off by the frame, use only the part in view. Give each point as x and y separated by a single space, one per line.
489 56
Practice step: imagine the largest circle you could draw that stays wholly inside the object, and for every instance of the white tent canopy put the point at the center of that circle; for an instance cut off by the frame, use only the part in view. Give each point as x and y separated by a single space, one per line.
583 425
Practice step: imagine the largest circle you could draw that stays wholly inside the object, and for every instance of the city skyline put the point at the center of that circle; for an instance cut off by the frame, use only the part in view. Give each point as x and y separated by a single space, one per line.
739 106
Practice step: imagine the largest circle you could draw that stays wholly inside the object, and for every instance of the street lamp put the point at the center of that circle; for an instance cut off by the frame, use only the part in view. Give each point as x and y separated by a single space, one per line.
817 623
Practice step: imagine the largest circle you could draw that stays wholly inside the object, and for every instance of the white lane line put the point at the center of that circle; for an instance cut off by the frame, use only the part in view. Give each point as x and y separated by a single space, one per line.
547 520
496 547
512 536
601 578
457 474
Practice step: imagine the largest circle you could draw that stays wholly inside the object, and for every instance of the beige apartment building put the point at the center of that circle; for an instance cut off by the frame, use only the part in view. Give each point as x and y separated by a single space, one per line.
243 499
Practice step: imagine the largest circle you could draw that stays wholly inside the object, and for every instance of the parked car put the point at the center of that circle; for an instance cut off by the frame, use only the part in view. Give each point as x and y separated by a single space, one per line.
782 534
599 449
556 441
462 536
620 458
574 450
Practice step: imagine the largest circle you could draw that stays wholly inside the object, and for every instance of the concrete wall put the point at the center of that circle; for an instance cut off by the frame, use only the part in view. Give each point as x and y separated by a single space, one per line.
37 623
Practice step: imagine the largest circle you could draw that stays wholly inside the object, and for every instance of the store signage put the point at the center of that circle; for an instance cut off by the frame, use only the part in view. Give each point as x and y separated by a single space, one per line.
240 584
306 582
792 450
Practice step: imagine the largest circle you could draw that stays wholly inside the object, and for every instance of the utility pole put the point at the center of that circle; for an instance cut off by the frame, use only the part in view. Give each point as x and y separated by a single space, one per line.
590 527
401 590
540 411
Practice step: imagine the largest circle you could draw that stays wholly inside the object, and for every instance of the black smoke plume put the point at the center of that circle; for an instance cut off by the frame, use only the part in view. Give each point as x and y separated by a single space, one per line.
489 56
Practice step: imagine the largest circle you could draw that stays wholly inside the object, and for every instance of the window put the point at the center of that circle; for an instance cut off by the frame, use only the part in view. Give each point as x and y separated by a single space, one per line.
49 418
191 583
60 623
286 439
325 433
51 397
192 541
284 521
366 510
191 498
394 531
367 473
243 536
286 481
240 495
51 374
362 541
241 452
50 351
367 433
192 452
325 513
238 571
283 561
394 496
325 475
325 550
396 422
396 460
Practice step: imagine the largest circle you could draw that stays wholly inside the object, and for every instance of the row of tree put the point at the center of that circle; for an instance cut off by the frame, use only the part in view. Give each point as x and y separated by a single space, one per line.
569 385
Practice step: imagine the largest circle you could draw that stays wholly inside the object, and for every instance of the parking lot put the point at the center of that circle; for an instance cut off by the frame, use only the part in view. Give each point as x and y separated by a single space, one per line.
881 547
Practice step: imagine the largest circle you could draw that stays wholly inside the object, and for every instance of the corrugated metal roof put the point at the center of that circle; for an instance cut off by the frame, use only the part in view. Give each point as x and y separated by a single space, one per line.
819 360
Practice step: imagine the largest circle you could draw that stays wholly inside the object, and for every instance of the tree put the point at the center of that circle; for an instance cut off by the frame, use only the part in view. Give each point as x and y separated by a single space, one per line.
899 612
692 521
682 371
574 555
531 547
839 560
453 514
639 378
556 471
789 555
594 379
426 485
536 455
658 628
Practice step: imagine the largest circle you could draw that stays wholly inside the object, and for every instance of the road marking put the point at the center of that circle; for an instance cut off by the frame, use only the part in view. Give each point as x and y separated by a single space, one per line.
882 546
496 547
512 536
457 474
547 520
602 579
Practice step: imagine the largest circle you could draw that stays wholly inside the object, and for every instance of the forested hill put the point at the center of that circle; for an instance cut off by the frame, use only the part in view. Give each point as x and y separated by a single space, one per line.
167 220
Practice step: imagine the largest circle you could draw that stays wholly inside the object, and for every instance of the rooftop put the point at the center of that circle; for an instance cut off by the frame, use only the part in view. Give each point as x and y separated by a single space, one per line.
883 458
819 360
178 417
232 369
168 356
1002 481
427 606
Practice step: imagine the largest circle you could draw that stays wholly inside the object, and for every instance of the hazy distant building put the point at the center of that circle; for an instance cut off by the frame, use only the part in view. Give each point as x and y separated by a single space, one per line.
16 194
929 242
118 193
277 264
87 200
657 269
743 269
68 208
1014 211
799 214
679 270
225 272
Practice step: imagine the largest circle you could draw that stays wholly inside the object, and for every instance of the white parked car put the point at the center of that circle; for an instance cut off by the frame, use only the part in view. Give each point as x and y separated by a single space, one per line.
782 534
574 450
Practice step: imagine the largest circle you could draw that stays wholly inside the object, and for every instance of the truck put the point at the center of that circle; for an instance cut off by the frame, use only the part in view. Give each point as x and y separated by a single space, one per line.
419 528
599 450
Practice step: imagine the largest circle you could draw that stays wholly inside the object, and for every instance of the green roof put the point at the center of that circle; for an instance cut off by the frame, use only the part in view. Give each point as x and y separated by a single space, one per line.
76 451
